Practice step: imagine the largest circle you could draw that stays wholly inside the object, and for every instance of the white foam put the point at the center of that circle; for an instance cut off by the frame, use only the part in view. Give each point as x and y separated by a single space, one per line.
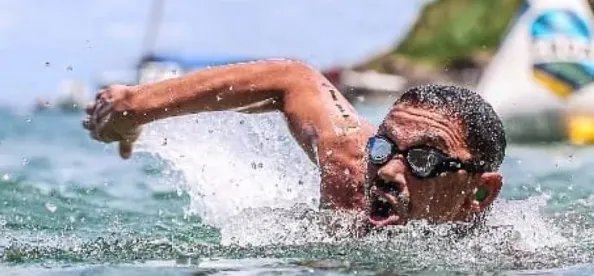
526 219
232 162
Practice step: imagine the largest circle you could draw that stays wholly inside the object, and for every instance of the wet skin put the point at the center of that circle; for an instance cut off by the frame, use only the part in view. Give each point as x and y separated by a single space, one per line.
325 125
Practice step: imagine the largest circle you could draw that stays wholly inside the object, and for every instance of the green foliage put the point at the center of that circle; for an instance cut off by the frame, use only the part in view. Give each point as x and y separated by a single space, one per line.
452 28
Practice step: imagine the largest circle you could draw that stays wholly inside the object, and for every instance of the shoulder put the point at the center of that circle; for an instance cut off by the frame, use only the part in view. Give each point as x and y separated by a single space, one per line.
343 168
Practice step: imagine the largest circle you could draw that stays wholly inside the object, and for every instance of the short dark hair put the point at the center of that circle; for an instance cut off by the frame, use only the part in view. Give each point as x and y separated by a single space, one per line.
485 134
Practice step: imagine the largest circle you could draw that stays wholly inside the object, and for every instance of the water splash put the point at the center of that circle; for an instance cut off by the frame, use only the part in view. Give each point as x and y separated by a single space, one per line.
525 216
231 162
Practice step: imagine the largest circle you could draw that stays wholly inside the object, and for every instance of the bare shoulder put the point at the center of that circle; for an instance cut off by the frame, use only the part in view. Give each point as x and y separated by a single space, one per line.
334 134
320 116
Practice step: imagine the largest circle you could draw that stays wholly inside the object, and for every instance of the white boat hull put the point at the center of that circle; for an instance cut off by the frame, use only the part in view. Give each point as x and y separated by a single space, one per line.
545 60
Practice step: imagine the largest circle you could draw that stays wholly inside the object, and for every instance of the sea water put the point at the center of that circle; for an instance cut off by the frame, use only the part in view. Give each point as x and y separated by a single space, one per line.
232 194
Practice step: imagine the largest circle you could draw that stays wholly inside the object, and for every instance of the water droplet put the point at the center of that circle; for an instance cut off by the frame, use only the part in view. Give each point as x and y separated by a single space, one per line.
51 207
347 172
125 113
2 222
24 161
219 98
231 88
28 119
6 177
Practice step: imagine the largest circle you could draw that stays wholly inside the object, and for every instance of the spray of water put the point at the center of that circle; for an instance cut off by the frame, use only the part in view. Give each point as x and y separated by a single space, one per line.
232 163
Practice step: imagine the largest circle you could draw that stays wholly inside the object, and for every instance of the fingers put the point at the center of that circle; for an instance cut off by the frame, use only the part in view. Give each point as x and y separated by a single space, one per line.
99 94
90 108
97 130
98 116
95 111
102 111
125 148
103 124
127 143
86 123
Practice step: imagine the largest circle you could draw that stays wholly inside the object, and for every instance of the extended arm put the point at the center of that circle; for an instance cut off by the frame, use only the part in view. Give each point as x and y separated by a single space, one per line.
315 110
248 87
322 121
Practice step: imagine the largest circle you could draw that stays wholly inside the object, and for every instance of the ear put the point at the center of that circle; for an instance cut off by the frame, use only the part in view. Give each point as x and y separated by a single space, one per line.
487 191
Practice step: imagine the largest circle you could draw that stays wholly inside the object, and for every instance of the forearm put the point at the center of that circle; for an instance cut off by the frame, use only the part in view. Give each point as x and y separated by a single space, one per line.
257 85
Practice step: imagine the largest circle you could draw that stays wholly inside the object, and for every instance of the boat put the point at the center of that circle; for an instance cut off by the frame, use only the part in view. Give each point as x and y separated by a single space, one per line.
541 79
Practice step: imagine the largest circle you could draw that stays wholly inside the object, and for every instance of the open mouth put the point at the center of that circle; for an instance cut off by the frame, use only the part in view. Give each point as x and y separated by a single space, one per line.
385 205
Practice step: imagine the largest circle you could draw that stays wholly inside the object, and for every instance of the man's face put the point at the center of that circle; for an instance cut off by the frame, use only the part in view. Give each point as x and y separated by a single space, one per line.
397 195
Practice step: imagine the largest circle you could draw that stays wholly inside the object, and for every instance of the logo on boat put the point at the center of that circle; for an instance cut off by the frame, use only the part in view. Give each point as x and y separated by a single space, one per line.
562 51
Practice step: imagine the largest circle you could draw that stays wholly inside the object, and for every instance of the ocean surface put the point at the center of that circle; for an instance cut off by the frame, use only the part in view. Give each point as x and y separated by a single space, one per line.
231 194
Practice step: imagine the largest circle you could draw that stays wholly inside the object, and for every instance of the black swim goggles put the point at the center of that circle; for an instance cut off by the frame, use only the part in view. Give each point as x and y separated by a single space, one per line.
423 161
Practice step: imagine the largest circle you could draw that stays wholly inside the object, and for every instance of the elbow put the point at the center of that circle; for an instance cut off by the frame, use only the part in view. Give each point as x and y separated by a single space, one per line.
297 75
298 68
293 67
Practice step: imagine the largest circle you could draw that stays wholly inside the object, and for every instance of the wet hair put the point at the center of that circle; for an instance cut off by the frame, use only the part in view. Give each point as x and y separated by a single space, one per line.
485 135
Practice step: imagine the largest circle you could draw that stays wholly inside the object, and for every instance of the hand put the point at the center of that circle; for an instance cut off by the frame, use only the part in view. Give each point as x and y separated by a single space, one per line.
109 119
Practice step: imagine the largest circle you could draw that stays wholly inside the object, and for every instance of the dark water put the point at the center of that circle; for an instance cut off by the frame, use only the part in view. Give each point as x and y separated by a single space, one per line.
230 194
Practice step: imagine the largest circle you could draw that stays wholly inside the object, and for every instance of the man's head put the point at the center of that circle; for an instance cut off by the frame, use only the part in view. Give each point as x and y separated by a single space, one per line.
435 157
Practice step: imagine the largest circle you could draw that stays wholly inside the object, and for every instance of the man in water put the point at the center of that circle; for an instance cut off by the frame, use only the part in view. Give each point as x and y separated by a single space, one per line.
435 156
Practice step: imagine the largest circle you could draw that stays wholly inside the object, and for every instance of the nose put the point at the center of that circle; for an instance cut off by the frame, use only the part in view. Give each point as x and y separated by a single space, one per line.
394 172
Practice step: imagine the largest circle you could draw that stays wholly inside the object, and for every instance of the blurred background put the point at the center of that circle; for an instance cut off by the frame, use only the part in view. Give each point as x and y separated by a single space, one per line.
67 201
486 46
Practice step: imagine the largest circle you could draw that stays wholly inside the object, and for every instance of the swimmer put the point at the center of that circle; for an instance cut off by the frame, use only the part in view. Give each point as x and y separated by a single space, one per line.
435 156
